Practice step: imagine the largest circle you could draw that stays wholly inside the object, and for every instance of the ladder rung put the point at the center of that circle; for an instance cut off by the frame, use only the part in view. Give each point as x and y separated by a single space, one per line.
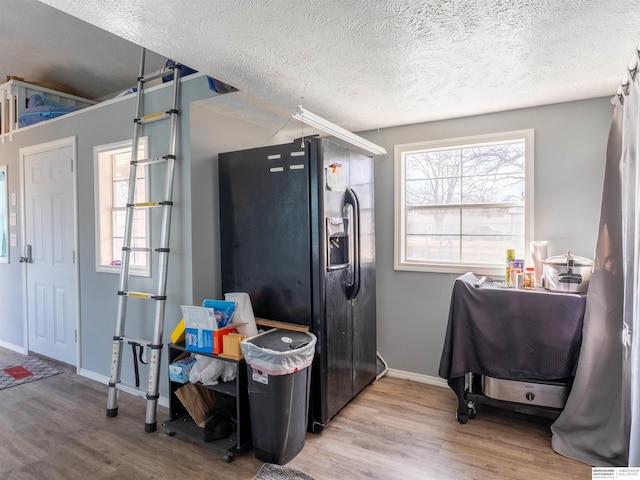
160 73
137 341
151 161
136 249
147 296
130 389
144 205
154 117
145 249
165 203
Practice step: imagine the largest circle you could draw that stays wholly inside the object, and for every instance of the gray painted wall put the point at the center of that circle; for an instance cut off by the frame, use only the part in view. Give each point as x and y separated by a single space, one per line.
570 145
570 142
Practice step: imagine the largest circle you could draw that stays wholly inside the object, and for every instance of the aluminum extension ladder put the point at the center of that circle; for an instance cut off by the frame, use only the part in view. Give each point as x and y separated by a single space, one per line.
155 344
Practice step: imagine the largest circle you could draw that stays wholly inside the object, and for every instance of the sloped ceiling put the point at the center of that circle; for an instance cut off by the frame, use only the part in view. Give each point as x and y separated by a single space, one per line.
372 64
42 44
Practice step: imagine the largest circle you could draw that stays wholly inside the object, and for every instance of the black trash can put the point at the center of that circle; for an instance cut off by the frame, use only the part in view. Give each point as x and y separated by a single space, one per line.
279 380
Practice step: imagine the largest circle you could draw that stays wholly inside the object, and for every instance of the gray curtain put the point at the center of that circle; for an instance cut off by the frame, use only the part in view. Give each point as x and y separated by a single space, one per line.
597 425
631 254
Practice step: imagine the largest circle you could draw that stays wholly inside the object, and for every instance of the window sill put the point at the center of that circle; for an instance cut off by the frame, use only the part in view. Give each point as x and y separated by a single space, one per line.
116 271
484 270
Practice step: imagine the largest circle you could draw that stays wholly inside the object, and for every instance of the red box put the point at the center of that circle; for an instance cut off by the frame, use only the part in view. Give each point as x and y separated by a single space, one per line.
217 338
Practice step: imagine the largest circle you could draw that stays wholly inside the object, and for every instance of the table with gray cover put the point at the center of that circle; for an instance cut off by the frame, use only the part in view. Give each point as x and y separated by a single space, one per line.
509 333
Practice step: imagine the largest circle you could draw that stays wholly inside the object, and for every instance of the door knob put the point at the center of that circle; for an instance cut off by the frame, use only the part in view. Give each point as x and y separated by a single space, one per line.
27 255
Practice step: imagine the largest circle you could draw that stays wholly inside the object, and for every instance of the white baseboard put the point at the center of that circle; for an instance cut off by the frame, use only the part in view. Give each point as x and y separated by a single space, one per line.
418 377
163 401
15 348
94 376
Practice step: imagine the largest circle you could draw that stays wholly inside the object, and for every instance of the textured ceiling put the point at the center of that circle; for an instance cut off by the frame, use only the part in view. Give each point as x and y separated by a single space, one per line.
370 64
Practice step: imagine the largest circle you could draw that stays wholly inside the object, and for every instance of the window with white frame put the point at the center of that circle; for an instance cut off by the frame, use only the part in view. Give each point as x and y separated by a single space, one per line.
461 203
112 167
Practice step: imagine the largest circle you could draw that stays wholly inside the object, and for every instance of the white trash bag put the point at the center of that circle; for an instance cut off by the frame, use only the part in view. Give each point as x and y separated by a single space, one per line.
279 352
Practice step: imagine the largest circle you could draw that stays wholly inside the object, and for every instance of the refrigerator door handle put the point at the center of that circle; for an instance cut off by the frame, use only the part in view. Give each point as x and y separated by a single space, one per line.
351 199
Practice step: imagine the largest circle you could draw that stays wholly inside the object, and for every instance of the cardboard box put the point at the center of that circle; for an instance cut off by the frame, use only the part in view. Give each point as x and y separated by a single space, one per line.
202 334
198 340
206 341
218 336
198 401
200 323
180 369
232 346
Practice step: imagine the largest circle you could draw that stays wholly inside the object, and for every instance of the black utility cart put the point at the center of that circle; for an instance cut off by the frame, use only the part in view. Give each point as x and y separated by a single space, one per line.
181 425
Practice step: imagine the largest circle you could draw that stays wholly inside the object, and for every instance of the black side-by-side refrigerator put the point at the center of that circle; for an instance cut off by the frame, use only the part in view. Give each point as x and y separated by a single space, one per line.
297 234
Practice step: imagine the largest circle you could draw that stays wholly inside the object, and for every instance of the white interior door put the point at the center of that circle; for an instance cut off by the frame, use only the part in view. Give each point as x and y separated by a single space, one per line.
49 230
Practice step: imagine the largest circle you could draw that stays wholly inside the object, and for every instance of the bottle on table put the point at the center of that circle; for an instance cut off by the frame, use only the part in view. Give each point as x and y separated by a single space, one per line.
511 258
529 278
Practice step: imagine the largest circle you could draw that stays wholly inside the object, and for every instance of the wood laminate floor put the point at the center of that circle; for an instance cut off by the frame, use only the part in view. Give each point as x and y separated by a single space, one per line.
56 428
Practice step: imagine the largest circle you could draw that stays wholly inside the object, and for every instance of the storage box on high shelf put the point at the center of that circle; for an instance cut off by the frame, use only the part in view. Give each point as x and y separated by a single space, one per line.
15 94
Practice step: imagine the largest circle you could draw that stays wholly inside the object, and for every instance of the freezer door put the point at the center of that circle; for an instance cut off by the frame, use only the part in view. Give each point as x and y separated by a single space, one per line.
265 230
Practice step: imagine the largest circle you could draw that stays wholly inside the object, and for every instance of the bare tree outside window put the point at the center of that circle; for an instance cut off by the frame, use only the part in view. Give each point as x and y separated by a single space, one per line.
464 204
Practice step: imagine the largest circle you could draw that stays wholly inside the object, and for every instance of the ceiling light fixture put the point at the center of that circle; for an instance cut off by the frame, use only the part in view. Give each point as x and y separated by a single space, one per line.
332 129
